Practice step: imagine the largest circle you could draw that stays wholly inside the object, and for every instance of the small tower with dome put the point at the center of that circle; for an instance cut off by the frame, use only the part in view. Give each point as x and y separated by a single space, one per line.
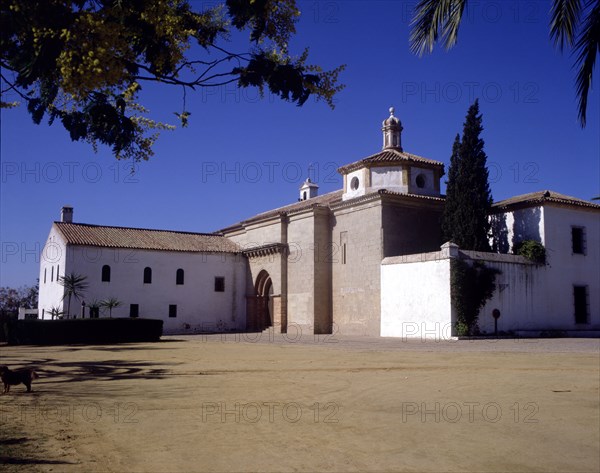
392 132
308 190
392 169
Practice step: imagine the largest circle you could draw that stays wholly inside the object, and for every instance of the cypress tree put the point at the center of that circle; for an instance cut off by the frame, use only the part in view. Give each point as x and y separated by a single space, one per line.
448 223
468 197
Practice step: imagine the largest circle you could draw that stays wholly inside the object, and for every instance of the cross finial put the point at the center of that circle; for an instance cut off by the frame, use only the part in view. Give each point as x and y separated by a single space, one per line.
310 168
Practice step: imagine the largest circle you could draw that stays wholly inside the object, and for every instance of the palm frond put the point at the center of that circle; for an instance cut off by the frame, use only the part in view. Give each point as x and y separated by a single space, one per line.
432 19
111 303
587 47
565 16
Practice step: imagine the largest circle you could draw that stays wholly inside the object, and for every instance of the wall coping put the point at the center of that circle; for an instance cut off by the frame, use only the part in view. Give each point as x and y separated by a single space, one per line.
446 253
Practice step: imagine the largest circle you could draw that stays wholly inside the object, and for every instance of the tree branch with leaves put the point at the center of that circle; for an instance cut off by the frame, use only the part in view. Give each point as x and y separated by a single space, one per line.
83 63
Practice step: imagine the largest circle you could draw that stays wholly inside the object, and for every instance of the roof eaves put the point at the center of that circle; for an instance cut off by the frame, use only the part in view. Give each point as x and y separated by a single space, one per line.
540 198
373 161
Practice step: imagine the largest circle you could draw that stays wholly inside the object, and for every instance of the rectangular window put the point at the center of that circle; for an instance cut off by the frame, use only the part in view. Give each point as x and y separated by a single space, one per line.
173 310
134 310
219 284
343 245
580 299
578 240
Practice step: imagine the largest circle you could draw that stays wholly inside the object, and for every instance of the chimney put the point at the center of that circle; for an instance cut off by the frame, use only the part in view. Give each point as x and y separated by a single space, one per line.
66 214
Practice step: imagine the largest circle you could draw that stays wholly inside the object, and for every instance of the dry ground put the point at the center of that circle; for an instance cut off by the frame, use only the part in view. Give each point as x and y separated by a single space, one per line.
196 404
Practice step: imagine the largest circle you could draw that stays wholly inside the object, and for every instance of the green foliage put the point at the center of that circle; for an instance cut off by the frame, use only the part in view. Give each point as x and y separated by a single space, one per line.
434 19
468 197
75 286
56 312
573 23
462 329
532 250
472 285
94 307
82 63
13 298
110 304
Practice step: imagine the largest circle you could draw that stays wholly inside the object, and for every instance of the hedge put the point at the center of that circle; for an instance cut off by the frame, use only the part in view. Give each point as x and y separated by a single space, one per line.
60 332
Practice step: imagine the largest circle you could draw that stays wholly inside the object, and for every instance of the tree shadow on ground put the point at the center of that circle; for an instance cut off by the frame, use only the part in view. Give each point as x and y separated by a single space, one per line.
14 441
108 370
32 461
17 450
50 370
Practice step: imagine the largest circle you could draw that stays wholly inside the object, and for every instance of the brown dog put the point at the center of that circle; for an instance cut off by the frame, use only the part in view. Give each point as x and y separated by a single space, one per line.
14 378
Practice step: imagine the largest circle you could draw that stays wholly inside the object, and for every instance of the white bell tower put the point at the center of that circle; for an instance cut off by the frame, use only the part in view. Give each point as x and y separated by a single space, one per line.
308 190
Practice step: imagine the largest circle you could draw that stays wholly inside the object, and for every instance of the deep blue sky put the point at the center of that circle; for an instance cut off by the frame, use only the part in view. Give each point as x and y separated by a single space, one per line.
241 155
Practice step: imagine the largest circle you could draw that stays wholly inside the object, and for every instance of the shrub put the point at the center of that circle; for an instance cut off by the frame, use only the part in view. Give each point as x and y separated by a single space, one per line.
471 287
532 250
60 332
462 329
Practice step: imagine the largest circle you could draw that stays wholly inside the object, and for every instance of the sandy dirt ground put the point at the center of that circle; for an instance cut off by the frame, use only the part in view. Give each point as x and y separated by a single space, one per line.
216 404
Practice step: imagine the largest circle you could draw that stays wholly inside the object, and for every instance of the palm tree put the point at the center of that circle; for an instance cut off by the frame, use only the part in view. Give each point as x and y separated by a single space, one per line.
74 285
110 304
56 312
94 307
574 23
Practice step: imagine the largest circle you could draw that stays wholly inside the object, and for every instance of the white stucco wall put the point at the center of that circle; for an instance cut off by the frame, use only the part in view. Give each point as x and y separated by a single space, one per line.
199 306
513 227
53 263
531 298
567 269
522 298
415 297
389 178
361 175
429 176
549 289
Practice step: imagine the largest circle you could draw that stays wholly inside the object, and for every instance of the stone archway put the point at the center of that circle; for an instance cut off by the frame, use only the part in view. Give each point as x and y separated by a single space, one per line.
264 294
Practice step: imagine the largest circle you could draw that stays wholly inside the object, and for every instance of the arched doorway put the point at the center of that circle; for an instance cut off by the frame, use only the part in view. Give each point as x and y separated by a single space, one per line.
264 300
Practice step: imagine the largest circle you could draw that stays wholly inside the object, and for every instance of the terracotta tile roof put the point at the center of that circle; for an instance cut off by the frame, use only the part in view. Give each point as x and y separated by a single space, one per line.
331 200
540 197
144 239
324 200
389 156
436 198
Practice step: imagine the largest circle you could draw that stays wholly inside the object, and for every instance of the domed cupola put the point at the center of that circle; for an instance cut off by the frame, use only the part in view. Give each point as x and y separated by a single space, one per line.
392 130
